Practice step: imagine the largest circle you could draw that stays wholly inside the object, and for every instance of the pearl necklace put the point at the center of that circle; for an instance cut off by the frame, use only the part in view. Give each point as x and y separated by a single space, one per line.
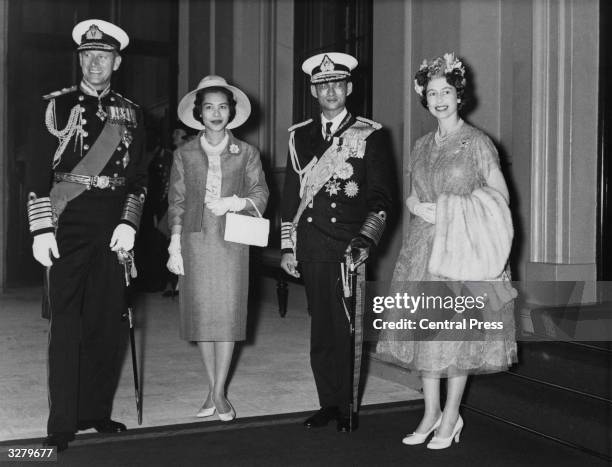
441 139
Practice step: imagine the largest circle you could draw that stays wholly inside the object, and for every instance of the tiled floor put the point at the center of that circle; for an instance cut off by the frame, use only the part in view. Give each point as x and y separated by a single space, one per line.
271 374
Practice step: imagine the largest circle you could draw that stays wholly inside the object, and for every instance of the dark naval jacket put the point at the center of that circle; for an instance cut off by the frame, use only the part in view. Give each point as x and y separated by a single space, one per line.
72 107
340 207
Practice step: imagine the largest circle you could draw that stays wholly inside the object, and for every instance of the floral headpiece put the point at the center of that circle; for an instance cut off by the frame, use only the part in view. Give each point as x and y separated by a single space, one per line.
440 66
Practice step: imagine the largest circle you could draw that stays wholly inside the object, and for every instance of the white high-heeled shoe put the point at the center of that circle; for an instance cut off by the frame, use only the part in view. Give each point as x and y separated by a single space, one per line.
442 443
227 416
419 438
206 411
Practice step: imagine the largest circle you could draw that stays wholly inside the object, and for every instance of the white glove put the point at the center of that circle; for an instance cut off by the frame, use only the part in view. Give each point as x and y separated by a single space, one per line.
175 261
175 244
426 211
175 264
229 203
123 238
42 245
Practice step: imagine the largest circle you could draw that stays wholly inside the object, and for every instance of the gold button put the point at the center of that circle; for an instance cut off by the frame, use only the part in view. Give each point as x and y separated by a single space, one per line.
309 219
81 98
117 162
310 205
83 121
115 175
119 148
85 134
333 205
333 219
82 109
86 147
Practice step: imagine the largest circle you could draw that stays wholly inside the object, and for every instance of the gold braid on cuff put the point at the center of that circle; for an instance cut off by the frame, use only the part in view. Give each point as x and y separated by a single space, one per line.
374 226
132 209
286 239
40 213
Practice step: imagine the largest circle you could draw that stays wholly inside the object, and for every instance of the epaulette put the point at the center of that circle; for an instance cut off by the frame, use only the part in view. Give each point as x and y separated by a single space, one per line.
375 125
61 92
126 99
298 125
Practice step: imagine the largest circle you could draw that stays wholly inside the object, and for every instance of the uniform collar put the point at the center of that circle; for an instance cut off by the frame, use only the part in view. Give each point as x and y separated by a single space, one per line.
89 90
336 121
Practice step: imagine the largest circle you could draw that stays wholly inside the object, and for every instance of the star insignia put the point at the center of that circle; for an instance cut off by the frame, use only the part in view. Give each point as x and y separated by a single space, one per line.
345 171
332 187
351 189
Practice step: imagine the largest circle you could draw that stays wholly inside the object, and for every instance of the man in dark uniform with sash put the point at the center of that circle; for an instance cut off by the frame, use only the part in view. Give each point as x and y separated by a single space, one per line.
336 196
85 200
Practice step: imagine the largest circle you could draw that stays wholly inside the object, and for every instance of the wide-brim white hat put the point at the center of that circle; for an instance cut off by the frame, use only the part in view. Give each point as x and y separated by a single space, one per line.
185 107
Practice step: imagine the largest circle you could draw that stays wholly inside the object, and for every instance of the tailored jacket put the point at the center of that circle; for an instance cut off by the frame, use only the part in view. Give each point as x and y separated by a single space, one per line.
242 175
128 158
339 209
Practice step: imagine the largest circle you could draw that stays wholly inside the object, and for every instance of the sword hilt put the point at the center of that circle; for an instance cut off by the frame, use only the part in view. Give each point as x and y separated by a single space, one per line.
126 259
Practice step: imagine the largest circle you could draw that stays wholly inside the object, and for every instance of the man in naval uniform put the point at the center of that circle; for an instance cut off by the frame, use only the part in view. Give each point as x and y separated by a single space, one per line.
85 197
335 199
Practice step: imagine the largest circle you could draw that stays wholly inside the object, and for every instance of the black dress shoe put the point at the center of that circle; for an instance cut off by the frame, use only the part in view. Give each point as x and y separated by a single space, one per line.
59 440
344 423
102 426
323 416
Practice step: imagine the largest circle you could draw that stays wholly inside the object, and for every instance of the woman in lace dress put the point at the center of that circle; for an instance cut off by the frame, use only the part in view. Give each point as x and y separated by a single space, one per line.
212 174
460 230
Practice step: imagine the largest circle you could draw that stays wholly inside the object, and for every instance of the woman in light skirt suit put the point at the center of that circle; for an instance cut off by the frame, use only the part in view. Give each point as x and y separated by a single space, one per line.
211 175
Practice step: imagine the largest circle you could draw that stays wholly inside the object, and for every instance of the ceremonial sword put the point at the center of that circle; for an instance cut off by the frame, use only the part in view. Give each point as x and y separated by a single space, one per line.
352 278
126 259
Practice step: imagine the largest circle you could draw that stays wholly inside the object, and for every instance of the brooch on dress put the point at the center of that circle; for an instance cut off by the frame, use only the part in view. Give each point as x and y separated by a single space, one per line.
234 149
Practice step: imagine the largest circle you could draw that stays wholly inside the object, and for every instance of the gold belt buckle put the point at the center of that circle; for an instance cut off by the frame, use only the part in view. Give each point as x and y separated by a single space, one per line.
101 181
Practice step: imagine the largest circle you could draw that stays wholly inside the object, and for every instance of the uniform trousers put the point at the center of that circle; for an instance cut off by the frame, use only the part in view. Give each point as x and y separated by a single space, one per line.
330 342
87 300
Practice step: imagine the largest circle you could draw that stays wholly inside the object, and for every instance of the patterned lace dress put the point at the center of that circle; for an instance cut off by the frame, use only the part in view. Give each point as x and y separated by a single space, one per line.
459 164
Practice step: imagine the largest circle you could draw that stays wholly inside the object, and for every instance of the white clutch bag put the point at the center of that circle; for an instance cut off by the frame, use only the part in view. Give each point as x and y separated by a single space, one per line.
247 230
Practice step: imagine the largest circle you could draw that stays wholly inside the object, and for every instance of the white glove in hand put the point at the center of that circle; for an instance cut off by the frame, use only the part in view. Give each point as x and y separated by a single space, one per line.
123 238
175 244
175 264
229 203
43 247
426 211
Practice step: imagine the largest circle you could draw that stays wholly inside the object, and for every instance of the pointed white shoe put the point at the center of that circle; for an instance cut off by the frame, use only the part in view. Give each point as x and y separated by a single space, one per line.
227 416
442 443
206 412
419 438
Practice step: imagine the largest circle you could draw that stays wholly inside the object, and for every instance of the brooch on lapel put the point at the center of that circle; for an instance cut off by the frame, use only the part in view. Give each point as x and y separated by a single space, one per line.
234 149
